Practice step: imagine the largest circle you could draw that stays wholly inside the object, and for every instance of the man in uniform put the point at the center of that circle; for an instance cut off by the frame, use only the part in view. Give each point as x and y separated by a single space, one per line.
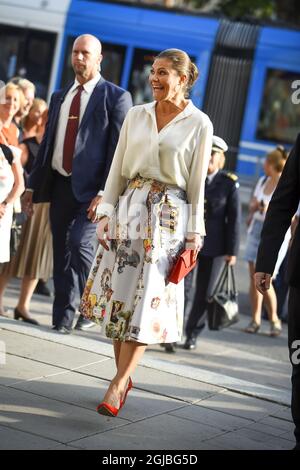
222 222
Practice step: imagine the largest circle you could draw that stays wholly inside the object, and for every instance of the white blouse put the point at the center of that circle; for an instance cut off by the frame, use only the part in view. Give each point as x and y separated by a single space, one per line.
259 194
177 155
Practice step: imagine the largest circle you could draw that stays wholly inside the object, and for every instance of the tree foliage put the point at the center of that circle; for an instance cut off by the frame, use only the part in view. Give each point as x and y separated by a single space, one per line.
284 10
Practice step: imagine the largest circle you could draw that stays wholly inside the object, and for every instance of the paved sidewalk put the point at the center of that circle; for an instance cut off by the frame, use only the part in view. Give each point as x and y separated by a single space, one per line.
51 384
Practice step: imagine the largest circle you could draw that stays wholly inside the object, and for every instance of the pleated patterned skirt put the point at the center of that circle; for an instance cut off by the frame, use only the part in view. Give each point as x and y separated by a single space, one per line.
127 291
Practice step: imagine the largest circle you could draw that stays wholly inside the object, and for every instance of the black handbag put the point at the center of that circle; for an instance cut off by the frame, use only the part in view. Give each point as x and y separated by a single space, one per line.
223 309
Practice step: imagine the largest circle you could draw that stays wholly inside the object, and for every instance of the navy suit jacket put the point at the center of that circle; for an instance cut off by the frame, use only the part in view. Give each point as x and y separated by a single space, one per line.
97 138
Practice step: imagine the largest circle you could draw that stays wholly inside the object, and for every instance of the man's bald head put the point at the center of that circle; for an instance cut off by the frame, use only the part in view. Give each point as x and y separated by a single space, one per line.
86 57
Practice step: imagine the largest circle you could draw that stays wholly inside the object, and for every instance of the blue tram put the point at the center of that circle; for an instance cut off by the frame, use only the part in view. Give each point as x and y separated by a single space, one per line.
249 73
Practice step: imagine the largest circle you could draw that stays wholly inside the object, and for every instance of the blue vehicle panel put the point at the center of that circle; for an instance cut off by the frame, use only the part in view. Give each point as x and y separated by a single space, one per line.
277 49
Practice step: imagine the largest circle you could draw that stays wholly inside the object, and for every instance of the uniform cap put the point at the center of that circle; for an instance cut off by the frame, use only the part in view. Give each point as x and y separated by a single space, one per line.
219 144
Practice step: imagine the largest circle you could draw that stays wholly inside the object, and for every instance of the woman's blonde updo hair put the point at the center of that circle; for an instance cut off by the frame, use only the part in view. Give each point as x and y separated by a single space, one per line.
182 64
277 158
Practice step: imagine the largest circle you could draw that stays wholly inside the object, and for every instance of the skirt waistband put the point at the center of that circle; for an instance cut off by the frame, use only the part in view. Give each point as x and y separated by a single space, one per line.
138 182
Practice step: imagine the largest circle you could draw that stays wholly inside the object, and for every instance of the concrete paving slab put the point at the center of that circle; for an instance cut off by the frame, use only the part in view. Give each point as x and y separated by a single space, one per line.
104 370
159 382
248 439
258 436
42 350
87 392
67 387
284 413
64 447
213 418
12 439
221 380
277 423
19 369
161 432
289 436
48 418
240 405
268 430
244 366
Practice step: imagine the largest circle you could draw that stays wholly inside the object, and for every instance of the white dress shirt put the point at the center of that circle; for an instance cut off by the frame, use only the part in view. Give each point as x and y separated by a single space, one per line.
177 155
88 88
211 176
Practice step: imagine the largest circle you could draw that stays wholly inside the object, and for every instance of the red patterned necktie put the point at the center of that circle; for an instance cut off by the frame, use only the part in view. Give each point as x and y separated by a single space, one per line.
71 131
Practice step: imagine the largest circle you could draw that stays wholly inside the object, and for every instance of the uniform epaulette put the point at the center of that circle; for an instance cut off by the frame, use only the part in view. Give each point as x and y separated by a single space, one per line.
231 176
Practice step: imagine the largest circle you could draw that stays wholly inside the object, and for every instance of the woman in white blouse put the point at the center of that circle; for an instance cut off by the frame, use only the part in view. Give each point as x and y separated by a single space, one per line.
152 208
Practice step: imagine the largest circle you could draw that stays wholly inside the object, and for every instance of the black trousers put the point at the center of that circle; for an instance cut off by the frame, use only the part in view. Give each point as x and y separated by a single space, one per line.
196 293
294 349
73 249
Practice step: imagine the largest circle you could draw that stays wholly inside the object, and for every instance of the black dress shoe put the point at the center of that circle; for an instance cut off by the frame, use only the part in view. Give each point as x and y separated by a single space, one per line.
42 289
84 323
62 330
170 347
190 343
18 315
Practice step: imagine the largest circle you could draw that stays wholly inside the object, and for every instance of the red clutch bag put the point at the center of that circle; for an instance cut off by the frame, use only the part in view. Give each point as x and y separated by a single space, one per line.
183 266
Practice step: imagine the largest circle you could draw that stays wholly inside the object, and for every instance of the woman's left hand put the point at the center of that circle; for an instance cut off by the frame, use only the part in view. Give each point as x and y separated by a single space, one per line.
194 242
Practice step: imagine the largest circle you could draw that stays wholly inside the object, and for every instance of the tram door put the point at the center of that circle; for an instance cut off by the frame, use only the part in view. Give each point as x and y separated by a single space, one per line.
228 81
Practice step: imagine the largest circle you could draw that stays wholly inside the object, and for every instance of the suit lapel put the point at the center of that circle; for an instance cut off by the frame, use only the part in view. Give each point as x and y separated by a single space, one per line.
54 119
95 98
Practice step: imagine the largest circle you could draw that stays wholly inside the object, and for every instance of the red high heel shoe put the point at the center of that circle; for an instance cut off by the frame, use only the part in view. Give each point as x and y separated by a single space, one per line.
108 410
129 387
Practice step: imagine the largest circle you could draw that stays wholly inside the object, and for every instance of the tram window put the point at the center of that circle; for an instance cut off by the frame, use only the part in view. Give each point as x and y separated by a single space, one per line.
26 52
139 77
279 117
111 65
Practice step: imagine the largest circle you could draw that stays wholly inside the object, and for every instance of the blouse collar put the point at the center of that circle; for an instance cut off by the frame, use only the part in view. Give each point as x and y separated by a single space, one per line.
189 109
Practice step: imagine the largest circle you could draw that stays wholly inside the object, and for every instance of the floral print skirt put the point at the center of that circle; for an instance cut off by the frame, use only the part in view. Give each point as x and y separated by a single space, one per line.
127 290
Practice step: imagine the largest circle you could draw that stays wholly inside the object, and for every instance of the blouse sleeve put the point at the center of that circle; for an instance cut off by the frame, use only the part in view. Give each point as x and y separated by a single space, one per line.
115 183
196 182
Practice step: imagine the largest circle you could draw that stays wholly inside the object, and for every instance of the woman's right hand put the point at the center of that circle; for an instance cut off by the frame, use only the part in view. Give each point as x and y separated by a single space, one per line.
102 230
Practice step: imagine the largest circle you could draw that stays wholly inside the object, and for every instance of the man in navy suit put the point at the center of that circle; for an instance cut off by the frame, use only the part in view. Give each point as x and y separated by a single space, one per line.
71 169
